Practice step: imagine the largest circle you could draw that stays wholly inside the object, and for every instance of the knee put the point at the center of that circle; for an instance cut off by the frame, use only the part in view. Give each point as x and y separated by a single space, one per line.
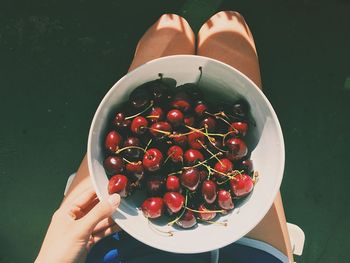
174 21
229 15
223 19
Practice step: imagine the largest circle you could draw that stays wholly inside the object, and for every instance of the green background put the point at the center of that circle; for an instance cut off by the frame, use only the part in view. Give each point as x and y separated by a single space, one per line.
59 58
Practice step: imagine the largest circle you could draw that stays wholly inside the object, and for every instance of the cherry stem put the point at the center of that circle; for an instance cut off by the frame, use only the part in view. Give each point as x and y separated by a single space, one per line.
205 211
168 233
129 147
160 131
230 175
213 222
127 161
201 163
137 114
182 213
255 177
206 148
148 144
168 157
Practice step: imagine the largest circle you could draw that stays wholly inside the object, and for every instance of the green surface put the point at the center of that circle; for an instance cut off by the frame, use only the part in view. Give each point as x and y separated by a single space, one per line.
58 60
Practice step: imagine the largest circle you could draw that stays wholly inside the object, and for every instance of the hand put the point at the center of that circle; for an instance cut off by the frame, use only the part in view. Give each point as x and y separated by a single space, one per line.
76 226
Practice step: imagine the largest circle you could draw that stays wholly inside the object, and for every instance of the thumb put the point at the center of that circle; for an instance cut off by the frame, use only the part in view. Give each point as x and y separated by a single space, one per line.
101 211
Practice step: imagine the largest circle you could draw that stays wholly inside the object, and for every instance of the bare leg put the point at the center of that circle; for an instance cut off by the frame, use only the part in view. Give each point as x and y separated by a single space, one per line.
226 37
170 35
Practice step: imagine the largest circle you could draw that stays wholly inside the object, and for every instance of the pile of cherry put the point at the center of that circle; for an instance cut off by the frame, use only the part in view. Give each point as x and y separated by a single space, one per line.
188 155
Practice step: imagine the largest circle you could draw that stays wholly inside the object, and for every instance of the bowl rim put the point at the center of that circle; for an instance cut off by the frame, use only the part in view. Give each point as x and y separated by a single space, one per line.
278 180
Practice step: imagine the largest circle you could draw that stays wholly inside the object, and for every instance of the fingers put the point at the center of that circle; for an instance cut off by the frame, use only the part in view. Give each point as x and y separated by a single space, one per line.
101 211
82 204
104 224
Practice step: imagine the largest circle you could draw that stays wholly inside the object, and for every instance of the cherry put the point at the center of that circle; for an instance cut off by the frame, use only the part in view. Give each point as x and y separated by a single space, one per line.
188 220
172 183
156 114
189 178
133 153
175 153
205 214
224 166
160 129
174 201
240 109
247 166
158 91
189 121
155 186
203 174
118 184
225 200
209 123
139 98
196 140
152 160
138 125
200 108
181 101
153 207
240 127
241 185
175 117
237 148
113 165
119 119
113 141
135 169
215 145
209 189
179 139
192 156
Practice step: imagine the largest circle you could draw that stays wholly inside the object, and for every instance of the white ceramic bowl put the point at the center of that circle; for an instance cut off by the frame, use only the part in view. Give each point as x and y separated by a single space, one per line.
222 81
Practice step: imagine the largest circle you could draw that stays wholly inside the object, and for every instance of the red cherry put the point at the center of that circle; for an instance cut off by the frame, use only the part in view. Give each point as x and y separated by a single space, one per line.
135 169
188 220
113 165
193 156
237 148
139 125
209 123
153 207
196 140
209 191
205 214
119 119
160 129
179 139
113 141
175 117
152 160
189 178
133 153
156 114
172 183
174 201
241 185
225 200
200 108
224 166
189 121
118 184
181 102
175 153
240 127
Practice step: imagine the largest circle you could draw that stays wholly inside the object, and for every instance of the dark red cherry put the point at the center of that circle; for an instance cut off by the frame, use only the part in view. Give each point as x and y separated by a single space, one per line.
159 91
132 153
175 117
153 207
175 153
225 200
189 178
247 166
179 139
224 166
113 141
196 140
140 98
155 186
113 165
240 127
203 174
208 123
181 101
188 220
155 114
118 184
160 129
240 109
174 201
205 213
209 189
172 183
152 159
139 125
119 119
200 108
241 185
237 148
193 156
189 120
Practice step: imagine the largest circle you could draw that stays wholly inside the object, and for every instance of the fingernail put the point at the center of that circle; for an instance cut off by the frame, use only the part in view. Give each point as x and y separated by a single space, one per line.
114 200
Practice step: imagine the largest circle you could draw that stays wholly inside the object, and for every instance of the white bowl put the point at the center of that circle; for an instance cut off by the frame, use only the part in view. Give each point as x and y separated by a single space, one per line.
219 80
